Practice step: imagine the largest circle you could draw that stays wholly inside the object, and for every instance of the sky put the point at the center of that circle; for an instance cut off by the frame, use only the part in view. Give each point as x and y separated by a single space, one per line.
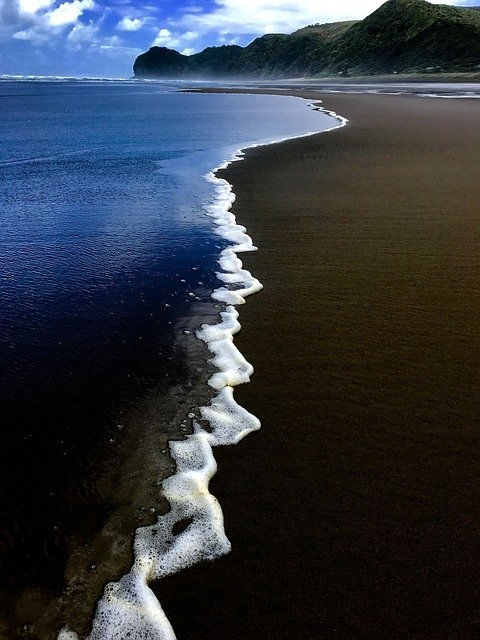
102 38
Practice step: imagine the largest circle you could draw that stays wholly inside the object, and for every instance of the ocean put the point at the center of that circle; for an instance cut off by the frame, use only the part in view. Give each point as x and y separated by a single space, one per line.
116 245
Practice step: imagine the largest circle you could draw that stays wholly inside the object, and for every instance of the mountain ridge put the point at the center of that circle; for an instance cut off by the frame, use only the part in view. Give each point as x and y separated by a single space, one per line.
401 36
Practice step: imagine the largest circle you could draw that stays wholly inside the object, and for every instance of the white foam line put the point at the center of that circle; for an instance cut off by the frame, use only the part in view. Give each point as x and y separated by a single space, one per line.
128 608
459 96
402 92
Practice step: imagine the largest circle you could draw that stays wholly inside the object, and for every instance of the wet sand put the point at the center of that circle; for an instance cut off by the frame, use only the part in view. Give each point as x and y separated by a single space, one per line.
355 511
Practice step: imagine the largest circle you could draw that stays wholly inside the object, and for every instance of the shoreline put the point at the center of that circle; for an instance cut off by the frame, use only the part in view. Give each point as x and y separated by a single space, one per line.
90 565
196 521
373 513
129 489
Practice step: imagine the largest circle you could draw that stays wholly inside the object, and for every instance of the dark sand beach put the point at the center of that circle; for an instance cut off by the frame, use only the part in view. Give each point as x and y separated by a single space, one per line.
355 511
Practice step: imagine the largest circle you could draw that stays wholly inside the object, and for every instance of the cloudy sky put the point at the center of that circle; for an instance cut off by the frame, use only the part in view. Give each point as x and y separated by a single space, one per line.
102 37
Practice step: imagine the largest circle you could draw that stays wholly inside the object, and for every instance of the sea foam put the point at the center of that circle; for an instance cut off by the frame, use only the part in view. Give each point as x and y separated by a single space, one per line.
193 528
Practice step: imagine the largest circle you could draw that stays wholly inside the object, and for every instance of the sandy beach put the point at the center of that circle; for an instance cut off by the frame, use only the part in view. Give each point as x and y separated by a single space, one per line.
354 512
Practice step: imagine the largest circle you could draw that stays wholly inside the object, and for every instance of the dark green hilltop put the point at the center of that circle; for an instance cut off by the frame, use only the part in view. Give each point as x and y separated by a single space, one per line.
402 36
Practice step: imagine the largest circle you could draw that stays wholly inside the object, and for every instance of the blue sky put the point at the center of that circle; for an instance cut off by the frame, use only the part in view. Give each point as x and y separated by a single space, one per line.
103 37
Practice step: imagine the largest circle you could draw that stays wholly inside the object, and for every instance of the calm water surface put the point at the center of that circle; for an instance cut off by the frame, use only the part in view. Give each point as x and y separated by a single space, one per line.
104 247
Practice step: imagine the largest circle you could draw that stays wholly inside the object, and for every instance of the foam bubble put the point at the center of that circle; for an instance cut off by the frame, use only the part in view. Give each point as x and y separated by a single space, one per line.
159 550
129 609
66 634
230 421
232 367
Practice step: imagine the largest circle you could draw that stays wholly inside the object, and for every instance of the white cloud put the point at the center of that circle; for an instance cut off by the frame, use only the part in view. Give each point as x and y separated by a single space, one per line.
21 35
165 38
129 24
112 41
175 40
113 52
257 17
68 12
191 9
189 36
87 38
41 22
83 33
223 39
30 35
32 6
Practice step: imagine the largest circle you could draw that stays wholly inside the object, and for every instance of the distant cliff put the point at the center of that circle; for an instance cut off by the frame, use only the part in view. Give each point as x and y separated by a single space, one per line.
402 36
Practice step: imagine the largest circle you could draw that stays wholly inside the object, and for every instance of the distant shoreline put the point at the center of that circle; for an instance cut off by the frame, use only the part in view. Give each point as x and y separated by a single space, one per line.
428 78
453 78
396 77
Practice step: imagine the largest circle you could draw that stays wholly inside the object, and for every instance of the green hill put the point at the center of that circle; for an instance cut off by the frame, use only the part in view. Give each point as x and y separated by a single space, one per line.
409 35
402 36
327 31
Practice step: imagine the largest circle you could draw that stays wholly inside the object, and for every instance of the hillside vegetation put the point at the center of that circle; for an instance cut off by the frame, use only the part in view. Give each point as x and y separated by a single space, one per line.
402 36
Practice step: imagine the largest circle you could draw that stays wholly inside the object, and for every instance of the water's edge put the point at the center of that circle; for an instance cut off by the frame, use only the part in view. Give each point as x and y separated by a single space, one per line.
192 530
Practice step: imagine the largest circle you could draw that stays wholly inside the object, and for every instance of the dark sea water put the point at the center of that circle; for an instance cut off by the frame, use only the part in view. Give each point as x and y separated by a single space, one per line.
104 249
